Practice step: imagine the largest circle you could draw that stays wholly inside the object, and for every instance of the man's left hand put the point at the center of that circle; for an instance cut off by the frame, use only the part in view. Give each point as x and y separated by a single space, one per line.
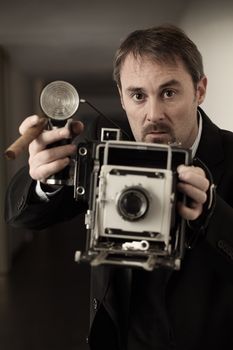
194 184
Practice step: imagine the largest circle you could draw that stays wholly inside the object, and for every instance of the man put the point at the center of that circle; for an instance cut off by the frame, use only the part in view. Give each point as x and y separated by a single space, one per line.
161 82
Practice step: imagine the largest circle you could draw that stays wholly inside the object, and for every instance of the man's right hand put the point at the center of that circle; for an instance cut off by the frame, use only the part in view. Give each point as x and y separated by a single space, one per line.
43 161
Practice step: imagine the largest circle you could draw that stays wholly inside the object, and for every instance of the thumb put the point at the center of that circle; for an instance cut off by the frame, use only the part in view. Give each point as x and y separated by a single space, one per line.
76 127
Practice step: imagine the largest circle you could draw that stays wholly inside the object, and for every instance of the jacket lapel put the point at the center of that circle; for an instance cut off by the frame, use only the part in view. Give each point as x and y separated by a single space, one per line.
210 149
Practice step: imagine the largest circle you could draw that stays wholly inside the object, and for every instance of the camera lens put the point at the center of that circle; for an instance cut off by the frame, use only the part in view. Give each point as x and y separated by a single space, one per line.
132 203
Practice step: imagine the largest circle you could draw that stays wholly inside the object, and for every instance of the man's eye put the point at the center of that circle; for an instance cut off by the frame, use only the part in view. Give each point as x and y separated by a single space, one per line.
138 97
168 93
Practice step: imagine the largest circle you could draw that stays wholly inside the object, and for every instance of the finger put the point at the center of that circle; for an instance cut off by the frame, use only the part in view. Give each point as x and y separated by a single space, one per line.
49 137
189 213
28 123
194 176
76 127
196 194
184 168
50 161
51 154
43 171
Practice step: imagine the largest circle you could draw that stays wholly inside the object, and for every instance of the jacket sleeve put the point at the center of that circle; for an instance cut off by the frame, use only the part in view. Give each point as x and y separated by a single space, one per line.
24 209
219 235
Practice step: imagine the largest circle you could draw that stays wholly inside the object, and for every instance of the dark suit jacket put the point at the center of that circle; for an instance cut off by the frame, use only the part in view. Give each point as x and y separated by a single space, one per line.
198 298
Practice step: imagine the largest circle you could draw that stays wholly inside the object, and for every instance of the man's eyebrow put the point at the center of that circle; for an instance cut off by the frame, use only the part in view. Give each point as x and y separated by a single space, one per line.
172 82
134 89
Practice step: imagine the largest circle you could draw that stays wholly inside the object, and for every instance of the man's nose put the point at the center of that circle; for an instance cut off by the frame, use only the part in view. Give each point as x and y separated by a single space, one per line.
154 110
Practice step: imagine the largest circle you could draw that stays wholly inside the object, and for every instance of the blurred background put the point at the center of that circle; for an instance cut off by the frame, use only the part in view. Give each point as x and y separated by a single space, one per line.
44 295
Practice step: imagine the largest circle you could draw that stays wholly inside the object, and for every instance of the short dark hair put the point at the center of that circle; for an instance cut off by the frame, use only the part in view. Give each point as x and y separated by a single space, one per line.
165 43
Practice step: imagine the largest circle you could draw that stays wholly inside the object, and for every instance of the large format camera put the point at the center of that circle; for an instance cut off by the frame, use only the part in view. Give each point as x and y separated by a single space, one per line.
130 189
131 193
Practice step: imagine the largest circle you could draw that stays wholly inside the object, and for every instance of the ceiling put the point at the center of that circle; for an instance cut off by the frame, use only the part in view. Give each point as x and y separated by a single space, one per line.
71 38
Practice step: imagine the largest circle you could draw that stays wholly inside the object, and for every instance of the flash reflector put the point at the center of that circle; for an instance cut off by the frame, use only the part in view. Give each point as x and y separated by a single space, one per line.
59 100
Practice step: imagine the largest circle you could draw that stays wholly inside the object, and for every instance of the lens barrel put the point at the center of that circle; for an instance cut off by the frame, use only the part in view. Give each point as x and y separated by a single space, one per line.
132 203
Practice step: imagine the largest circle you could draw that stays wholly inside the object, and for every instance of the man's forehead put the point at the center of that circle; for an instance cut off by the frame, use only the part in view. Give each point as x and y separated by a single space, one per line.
137 61
141 65
146 68
139 70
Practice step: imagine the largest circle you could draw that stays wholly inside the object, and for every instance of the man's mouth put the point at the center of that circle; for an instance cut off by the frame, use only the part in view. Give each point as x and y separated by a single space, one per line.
158 136
157 133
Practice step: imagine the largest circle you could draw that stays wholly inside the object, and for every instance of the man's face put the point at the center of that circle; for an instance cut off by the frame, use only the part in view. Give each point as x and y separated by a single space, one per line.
160 101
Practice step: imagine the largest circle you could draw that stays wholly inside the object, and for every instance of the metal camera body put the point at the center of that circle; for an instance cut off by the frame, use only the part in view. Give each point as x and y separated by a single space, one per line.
131 193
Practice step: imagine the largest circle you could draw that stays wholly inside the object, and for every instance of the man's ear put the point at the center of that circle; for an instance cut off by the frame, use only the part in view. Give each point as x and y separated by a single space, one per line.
121 97
201 89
